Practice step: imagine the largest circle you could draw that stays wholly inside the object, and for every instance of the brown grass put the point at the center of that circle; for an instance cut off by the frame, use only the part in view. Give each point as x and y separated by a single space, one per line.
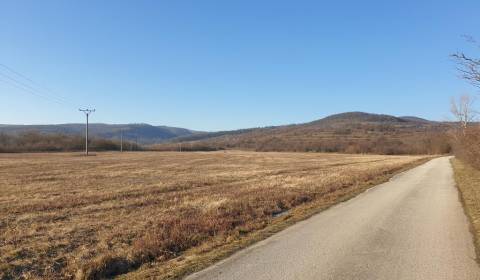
468 183
63 216
466 144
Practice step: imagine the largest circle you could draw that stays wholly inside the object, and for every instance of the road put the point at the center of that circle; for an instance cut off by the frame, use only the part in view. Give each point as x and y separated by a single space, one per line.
412 227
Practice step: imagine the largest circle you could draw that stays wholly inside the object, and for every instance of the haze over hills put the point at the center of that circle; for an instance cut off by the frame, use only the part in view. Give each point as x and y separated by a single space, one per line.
143 133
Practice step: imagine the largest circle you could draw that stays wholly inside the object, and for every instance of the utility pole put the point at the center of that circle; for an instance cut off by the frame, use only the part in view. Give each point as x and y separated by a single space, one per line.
121 140
87 113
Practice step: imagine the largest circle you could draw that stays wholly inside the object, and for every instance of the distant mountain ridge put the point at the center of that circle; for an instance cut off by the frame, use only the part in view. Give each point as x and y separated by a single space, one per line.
416 119
141 133
360 117
351 132
340 120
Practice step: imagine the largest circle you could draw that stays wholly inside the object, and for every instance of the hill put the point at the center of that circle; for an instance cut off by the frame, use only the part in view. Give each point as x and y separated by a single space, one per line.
359 117
352 132
141 133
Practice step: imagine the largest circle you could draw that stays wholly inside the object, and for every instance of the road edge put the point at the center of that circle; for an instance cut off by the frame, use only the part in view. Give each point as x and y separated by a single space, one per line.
462 173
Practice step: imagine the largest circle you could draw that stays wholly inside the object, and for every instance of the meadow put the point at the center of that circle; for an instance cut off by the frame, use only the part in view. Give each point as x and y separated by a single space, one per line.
162 214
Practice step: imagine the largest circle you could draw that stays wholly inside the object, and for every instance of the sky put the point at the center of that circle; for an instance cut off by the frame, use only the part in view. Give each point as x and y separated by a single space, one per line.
220 65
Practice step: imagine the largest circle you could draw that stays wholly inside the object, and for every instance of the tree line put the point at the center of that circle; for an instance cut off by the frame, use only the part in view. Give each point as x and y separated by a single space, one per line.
33 141
430 142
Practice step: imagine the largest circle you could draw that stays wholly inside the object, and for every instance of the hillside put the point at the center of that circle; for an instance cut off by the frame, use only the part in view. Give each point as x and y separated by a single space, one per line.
353 132
142 133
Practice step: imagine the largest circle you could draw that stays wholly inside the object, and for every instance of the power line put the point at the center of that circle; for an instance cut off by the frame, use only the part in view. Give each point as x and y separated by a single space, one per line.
27 90
32 90
45 90
30 86
31 81
27 85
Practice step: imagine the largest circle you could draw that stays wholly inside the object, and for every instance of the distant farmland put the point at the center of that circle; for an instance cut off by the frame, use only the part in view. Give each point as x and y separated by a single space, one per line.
63 216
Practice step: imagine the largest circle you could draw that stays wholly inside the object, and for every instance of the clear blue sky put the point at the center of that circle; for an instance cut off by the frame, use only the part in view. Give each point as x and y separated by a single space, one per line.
214 65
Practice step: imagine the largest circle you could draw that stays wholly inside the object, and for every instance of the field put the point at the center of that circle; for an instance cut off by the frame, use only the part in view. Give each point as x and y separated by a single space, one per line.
64 216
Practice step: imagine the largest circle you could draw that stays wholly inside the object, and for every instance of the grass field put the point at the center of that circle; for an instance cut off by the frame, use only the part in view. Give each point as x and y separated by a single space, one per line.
64 216
468 183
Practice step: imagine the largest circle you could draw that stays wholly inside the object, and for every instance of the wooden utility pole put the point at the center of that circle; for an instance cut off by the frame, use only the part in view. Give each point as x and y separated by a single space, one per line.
121 140
87 113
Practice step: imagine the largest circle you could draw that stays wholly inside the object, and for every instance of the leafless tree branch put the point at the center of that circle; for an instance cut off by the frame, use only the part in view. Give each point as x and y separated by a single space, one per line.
469 67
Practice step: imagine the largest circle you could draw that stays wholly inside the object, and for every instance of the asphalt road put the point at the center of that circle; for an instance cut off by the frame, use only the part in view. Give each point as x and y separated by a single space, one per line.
412 227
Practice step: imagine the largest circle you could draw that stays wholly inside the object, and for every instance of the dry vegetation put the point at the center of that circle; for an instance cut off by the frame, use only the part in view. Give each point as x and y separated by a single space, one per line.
465 133
468 182
63 216
353 132
33 141
466 145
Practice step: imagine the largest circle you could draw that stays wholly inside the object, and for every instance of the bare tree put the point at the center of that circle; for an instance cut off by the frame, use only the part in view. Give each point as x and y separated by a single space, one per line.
463 111
466 135
469 67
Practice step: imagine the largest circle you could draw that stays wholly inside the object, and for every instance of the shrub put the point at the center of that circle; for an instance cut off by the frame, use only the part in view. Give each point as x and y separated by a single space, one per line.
37 142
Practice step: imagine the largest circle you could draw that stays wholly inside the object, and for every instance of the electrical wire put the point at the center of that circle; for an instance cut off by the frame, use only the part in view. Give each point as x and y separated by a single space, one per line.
30 86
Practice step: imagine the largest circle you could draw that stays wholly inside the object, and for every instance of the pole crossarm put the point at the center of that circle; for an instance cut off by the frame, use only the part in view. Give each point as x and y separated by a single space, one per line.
87 111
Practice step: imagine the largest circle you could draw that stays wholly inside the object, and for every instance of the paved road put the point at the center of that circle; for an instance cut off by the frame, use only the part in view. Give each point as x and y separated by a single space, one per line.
412 227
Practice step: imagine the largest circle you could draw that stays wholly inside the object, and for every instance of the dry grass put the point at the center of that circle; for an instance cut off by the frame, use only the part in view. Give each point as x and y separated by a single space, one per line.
468 182
63 216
